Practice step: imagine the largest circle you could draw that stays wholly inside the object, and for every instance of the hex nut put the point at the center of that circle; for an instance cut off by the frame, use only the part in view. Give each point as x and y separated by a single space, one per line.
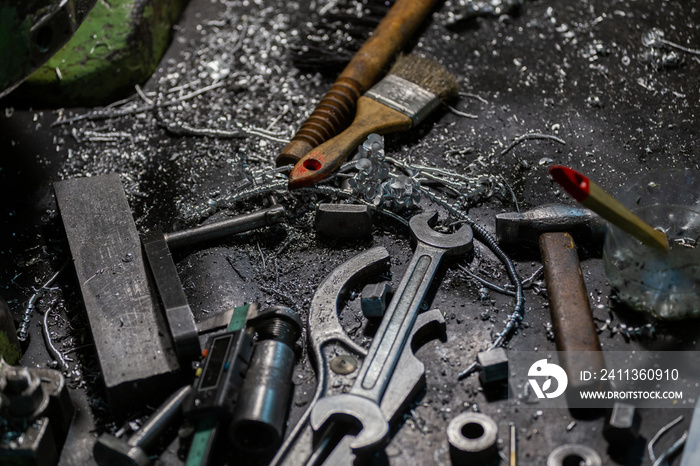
494 366
621 428
473 439
375 297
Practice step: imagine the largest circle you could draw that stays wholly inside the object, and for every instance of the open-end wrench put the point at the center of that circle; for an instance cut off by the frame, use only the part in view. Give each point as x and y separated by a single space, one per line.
361 407
325 332
324 329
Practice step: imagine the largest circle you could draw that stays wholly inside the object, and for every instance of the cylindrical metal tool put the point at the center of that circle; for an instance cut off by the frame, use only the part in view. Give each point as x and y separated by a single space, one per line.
261 410
472 438
9 344
109 450
575 333
215 230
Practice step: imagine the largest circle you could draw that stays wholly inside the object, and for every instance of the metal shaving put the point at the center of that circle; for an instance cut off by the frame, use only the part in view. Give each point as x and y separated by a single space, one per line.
462 11
657 53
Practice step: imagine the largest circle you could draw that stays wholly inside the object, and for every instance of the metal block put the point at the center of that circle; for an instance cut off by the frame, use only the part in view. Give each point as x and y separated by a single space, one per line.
343 221
131 337
493 365
374 299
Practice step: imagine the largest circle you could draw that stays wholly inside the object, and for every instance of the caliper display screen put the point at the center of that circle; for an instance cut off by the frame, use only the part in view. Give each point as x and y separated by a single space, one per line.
217 358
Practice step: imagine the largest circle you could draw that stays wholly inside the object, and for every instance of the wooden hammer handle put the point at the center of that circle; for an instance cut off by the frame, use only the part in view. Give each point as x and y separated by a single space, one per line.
575 332
338 105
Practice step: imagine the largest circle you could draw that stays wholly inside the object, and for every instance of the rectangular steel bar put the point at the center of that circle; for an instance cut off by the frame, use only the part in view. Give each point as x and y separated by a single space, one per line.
132 341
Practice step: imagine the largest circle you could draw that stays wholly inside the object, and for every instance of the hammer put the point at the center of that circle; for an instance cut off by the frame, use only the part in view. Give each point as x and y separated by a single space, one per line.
572 320
110 450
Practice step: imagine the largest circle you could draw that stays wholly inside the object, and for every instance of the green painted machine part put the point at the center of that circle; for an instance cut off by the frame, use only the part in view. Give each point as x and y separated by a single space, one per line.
118 45
31 31
9 344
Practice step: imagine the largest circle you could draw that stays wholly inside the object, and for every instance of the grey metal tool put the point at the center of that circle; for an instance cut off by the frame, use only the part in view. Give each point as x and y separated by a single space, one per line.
36 412
524 228
223 228
327 337
473 439
261 411
574 454
325 330
403 387
110 450
157 246
575 332
131 337
363 403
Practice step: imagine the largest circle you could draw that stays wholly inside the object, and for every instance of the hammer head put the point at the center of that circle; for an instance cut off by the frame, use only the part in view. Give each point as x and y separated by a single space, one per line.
525 228
109 450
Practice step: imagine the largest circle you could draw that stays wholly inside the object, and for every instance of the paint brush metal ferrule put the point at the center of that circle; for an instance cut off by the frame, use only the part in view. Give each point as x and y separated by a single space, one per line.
404 96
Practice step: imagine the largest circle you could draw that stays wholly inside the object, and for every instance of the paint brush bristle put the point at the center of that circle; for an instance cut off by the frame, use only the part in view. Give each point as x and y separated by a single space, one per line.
427 74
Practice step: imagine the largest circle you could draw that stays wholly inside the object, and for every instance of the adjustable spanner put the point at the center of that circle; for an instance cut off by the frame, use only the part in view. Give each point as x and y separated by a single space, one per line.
338 428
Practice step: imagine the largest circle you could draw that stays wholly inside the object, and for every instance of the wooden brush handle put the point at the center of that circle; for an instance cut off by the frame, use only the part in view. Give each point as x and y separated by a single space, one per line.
323 160
338 105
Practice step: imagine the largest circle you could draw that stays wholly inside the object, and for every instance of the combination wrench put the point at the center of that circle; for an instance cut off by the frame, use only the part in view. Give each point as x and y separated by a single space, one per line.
359 411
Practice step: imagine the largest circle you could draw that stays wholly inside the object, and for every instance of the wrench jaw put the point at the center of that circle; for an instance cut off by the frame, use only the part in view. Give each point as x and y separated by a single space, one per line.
324 330
353 409
459 242
401 392
409 380
324 325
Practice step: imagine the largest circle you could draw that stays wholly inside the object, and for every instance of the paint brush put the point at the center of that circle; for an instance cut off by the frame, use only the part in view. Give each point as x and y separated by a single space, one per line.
595 198
413 88
366 67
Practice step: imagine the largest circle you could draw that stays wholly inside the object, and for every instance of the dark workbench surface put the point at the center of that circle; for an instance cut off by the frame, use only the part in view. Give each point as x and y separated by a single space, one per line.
575 70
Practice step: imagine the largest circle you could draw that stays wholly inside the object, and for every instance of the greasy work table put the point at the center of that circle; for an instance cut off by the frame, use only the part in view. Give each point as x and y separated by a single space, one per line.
583 84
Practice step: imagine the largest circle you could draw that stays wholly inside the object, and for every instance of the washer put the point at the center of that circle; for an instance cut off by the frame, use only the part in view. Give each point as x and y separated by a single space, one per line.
472 438
569 454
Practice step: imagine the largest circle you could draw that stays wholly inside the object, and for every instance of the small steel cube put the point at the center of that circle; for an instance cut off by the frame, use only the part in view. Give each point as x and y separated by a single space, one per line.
343 221
494 366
